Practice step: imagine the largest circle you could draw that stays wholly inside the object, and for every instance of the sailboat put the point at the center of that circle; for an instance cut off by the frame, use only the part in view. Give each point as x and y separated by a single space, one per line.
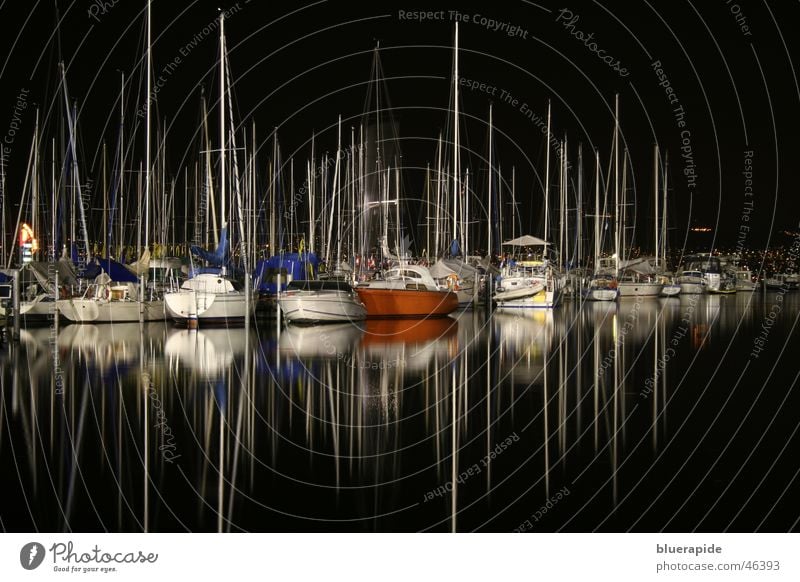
117 295
525 283
671 287
405 291
329 301
636 277
602 286
210 296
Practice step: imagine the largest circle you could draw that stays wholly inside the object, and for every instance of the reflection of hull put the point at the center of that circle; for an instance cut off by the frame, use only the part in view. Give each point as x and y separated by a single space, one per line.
523 338
105 347
223 308
411 303
324 307
691 288
331 342
207 352
379 332
99 311
634 289
410 345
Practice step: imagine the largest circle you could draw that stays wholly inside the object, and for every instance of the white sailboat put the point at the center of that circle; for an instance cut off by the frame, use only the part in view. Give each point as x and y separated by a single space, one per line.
118 301
213 297
636 278
527 283
602 286
321 302
671 287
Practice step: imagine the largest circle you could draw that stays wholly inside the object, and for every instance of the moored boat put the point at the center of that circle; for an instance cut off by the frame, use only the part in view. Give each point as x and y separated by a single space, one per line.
407 291
321 302
209 298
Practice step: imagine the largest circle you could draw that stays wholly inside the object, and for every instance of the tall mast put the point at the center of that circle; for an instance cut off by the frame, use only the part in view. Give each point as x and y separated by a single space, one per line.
438 195
489 222
596 210
655 202
121 161
513 202
455 137
428 209
147 140
222 136
664 216
578 212
35 174
547 182
616 183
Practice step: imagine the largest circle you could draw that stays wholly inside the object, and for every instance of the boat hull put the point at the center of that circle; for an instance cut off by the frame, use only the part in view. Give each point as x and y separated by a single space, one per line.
208 308
541 300
321 308
599 294
633 289
519 293
94 311
399 303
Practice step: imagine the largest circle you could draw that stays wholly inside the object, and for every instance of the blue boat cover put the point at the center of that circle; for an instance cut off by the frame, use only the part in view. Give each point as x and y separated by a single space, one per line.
218 257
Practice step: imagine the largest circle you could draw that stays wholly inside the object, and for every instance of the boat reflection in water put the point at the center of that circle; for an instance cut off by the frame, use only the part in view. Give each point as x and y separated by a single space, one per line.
451 424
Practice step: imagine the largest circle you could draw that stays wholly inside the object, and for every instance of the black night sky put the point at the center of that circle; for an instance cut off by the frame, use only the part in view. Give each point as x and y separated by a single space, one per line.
298 66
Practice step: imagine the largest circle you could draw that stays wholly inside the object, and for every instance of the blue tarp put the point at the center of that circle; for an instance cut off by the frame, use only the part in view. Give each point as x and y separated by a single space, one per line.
296 265
117 271
219 256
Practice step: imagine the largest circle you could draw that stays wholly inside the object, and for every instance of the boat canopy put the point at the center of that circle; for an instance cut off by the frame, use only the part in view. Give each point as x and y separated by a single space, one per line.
216 258
641 266
439 270
526 240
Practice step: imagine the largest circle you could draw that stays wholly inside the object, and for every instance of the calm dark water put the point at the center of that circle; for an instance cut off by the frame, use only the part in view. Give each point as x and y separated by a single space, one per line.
645 416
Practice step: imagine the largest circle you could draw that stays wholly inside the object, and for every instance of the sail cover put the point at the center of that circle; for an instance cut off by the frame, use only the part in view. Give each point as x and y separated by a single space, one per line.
218 257
526 240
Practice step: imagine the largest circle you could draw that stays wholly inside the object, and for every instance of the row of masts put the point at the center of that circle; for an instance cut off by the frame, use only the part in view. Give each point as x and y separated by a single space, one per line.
339 223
